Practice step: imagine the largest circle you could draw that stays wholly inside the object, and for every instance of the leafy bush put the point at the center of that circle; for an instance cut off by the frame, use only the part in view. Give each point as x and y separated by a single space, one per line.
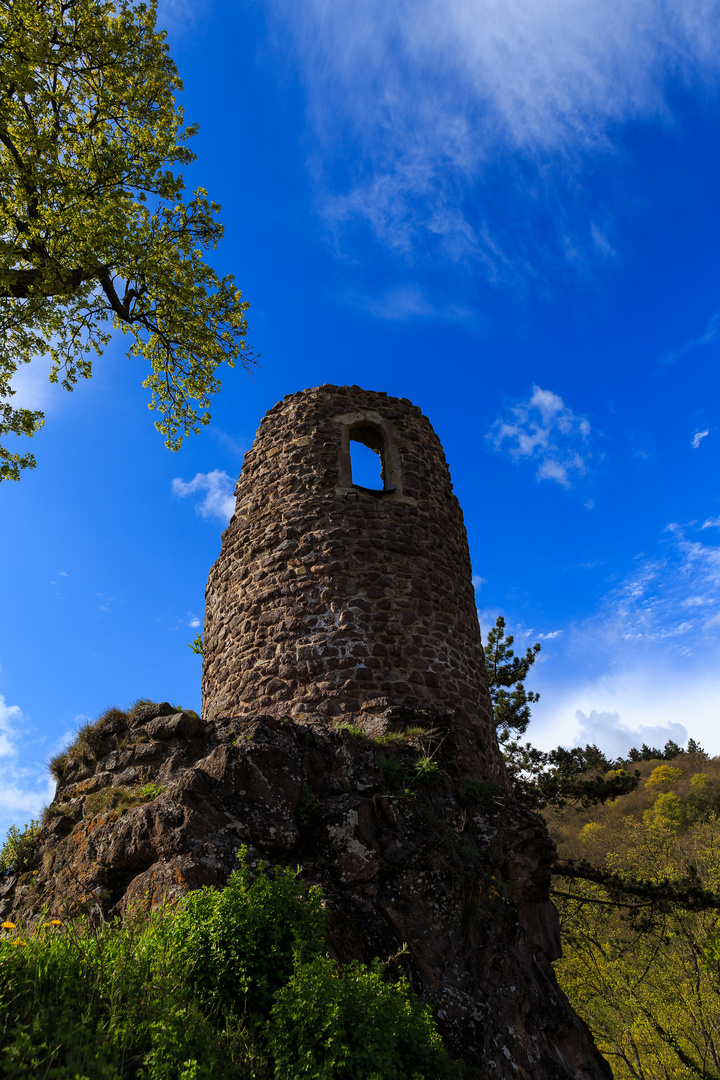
104 1004
477 793
330 1022
18 851
187 993
237 947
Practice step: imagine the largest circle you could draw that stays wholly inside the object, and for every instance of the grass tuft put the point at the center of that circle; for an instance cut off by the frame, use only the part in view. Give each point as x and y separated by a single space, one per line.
58 763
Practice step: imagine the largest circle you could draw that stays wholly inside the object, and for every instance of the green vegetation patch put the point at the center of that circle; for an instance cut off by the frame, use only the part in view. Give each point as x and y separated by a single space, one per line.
122 798
642 965
233 983
18 852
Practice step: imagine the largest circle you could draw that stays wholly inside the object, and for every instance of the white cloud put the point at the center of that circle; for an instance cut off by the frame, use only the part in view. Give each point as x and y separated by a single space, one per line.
10 718
622 709
216 491
543 429
446 99
711 523
194 621
404 302
478 582
644 664
24 789
698 437
662 607
607 728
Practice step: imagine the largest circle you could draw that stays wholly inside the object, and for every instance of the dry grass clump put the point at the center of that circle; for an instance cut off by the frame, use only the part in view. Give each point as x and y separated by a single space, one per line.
86 743
58 763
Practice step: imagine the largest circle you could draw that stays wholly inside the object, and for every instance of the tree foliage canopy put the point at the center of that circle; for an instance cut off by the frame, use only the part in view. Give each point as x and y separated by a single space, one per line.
94 229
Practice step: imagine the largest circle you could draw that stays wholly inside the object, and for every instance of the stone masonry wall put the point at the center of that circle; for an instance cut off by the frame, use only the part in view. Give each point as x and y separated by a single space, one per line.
336 599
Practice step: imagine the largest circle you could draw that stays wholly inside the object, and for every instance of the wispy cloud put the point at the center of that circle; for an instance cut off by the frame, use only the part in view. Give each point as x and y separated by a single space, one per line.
450 104
664 604
404 302
545 431
214 491
709 334
10 718
699 436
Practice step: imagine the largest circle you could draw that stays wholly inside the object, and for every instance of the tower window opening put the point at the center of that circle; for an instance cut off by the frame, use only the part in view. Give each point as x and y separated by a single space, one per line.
366 458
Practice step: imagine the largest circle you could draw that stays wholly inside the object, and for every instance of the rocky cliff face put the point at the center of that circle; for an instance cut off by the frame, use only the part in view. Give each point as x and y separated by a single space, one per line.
407 844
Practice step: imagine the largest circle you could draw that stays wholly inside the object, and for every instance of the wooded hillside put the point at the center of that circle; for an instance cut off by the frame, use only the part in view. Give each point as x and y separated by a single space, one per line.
643 974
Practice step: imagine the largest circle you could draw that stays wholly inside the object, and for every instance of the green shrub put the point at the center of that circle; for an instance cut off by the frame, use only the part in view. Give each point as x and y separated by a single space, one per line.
185 1046
18 852
330 1022
106 1004
227 985
391 768
236 947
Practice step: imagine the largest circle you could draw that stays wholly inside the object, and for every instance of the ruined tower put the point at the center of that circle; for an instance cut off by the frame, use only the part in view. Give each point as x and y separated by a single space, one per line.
332 601
336 599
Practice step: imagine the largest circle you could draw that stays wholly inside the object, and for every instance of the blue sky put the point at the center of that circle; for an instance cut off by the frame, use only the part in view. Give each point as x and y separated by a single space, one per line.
505 210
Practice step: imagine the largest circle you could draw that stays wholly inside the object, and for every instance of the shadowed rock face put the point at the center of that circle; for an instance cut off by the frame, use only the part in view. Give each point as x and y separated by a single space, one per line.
404 852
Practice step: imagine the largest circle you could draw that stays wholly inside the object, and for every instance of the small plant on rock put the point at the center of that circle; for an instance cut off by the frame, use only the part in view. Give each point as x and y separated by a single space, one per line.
426 769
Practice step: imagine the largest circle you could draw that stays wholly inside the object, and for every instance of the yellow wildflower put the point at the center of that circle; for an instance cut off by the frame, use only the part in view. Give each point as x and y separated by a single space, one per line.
8 926
55 922
18 942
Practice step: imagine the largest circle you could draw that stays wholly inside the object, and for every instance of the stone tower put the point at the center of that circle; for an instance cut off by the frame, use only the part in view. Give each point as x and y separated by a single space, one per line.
336 599
331 601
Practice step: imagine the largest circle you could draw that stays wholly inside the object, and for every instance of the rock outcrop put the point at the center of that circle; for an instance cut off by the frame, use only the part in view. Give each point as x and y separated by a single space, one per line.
407 846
